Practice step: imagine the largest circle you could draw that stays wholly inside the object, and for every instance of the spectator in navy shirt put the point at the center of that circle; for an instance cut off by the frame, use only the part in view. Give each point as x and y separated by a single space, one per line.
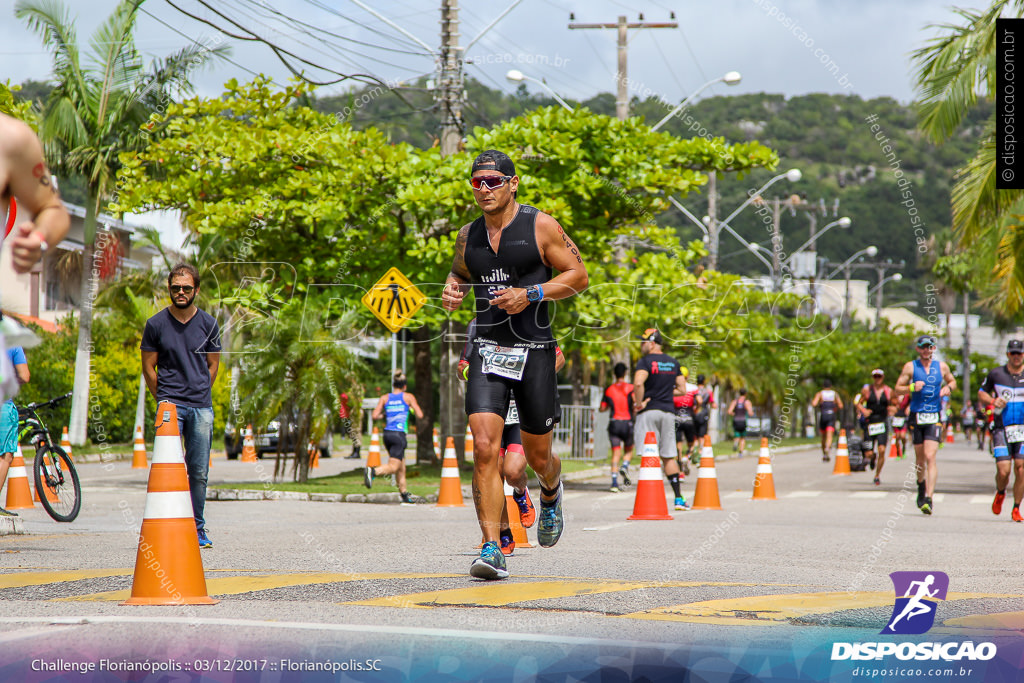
180 358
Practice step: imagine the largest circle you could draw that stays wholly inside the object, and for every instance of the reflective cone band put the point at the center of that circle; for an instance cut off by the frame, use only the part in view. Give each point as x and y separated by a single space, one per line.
248 445
650 489
168 568
842 465
437 445
19 495
764 483
65 443
139 459
373 457
450 493
706 495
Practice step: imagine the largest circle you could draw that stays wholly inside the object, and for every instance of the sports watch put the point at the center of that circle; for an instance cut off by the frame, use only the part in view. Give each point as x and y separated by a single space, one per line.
534 293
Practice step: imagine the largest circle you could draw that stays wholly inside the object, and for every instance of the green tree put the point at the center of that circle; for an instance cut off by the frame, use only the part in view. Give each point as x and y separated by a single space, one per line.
92 116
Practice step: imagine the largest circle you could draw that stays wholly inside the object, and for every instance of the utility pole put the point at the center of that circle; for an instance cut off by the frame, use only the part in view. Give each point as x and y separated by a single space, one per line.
623 26
450 85
712 225
967 349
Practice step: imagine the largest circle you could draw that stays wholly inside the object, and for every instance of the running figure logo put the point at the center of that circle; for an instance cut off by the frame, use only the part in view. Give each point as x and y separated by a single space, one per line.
917 594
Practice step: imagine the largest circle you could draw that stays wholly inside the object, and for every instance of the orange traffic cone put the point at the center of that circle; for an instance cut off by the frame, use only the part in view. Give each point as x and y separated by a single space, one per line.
139 459
650 489
469 444
515 520
764 483
248 445
373 456
314 456
842 466
65 443
437 445
19 495
949 434
894 451
450 493
706 495
168 569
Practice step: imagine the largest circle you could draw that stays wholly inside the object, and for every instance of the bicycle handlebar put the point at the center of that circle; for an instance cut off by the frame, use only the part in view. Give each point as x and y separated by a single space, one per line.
49 404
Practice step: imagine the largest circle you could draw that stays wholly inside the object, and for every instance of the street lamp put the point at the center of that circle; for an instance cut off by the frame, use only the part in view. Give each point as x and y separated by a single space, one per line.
845 267
756 250
518 76
731 78
843 222
895 277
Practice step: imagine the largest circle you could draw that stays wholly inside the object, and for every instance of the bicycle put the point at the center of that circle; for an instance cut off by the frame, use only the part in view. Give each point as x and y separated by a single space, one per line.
56 480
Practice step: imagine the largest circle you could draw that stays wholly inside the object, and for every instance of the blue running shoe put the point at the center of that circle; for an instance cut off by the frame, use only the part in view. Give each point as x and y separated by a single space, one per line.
549 528
681 504
204 540
491 563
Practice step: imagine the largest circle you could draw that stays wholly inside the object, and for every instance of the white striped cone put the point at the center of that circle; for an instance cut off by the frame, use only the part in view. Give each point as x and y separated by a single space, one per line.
140 460
248 445
706 495
168 568
19 495
65 443
842 466
764 482
650 488
450 493
437 445
469 444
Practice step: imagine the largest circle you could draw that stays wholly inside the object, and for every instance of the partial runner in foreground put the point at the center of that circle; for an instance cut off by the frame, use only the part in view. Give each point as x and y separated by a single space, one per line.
1003 391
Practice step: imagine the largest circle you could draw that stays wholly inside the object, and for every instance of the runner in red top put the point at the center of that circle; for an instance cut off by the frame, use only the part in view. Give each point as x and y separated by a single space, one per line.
619 399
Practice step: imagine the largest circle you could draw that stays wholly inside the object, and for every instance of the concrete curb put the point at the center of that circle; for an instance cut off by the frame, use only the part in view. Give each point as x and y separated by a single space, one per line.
11 526
257 494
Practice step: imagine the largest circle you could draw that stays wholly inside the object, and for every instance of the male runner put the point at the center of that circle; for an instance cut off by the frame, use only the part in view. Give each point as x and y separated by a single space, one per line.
967 417
927 381
507 255
829 404
899 424
874 407
740 408
618 398
1004 391
656 379
707 402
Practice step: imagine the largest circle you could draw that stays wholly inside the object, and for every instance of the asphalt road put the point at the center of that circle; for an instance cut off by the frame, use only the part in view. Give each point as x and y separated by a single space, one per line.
762 587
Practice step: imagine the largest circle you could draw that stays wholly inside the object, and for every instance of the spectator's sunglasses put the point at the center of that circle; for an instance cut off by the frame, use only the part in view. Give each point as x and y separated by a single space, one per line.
184 289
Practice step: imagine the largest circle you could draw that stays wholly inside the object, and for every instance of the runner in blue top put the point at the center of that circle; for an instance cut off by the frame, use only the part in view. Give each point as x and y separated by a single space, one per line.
394 408
1004 391
9 420
927 381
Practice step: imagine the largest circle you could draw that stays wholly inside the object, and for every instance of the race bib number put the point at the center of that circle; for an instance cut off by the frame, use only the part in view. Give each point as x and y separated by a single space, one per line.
513 414
504 361
927 418
1014 433
876 429
898 422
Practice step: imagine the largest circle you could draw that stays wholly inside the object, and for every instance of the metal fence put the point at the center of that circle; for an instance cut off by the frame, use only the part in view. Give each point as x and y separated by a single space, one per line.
579 436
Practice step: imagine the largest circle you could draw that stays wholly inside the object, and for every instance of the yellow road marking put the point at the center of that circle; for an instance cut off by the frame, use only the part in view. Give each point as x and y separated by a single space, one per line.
22 579
768 610
1010 621
496 594
233 585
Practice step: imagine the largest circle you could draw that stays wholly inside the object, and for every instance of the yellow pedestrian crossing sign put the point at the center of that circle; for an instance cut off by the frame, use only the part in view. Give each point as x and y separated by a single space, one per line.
394 300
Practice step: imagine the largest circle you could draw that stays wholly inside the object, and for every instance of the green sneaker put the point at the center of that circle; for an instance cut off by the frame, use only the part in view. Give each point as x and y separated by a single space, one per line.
549 528
7 513
490 565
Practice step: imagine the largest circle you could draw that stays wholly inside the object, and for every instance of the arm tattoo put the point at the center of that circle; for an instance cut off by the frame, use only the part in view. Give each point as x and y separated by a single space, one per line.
569 245
459 262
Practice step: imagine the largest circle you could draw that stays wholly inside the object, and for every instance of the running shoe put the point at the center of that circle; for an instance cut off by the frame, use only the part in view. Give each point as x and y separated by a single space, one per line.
878 482
997 503
7 513
508 544
920 494
204 540
491 563
686 466
549 529
695 458
527 513
624 473
1016 515
368 477
406 498
614 489
927 507
681 504
825 458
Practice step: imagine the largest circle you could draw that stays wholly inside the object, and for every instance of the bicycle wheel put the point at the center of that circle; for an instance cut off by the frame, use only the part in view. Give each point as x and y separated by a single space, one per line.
57 483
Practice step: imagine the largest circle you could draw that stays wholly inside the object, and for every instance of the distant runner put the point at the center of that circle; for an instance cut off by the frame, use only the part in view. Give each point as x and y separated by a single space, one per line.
618 398
829 404
740 408
874 407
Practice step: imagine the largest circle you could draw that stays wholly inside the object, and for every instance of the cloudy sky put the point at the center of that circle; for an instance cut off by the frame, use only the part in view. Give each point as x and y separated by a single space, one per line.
779 46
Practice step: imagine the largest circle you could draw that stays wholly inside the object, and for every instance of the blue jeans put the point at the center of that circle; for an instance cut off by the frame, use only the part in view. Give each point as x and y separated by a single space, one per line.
196 427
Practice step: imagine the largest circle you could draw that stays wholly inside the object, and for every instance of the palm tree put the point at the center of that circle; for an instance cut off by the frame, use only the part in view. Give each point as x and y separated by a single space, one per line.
952 71
294 365
94 114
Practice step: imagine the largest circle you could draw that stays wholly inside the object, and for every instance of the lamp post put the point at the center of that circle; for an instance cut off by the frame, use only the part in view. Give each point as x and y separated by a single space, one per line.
895 277
518 76
844 223
731 78
845 267
756 250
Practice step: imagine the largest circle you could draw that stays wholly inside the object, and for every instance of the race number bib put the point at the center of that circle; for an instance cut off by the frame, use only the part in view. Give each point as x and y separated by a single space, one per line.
898 422
513 414
876 429
1014 433
504 361
927 418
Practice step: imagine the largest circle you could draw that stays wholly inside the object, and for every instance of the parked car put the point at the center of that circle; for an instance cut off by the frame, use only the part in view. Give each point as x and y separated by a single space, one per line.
266 440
